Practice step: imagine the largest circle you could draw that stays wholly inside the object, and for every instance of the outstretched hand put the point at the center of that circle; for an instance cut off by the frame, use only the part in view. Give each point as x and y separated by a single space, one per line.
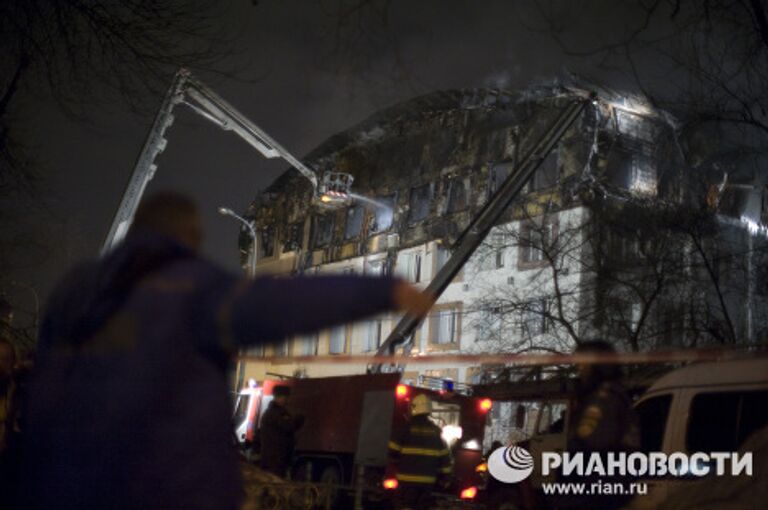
409 299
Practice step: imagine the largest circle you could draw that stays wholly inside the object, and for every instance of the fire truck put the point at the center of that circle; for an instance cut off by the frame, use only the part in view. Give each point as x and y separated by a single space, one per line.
348 424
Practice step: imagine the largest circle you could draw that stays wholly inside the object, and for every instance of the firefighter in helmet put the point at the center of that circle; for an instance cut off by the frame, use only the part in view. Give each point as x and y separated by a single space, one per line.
419 457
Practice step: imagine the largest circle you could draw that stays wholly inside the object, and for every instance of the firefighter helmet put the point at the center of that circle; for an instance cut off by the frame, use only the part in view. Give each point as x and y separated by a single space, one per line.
421 405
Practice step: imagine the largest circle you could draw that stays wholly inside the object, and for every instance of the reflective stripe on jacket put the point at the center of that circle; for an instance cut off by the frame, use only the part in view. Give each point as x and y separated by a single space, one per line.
418 452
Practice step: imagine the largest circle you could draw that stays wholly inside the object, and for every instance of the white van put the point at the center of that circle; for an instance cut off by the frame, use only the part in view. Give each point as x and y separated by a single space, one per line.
707 407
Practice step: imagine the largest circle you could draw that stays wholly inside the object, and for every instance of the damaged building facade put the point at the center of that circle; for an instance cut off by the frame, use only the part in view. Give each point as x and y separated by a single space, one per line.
615 235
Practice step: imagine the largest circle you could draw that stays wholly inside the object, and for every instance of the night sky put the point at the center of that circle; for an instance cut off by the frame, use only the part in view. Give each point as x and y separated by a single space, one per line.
302 97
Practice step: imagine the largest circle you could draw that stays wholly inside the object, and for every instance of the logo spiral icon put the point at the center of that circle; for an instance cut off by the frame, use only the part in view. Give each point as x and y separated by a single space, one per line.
510 464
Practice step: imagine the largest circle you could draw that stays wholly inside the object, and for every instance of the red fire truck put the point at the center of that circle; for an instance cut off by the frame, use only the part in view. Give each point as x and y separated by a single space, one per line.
348 424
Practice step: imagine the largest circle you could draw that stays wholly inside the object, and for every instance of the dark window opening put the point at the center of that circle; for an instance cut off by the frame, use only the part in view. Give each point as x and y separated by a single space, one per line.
457 196
421 198
499 174
323 230
632 171
383 214
355 217
546 176
653 421
295 237
266 241
534 318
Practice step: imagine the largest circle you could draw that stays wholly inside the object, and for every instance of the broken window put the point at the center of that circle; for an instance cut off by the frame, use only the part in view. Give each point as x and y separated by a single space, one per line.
445 325
457 196
294 237
642 174
266 241
383 214
632 171
499 174
372 335
323 230
421 198
355 217
546 176
635 126
534 320
338 340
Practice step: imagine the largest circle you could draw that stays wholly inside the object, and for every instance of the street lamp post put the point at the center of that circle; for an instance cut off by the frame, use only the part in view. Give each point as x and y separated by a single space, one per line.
225 211
229 212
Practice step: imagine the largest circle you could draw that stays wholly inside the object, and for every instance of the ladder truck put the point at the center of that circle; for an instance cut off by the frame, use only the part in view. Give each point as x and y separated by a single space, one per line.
330 189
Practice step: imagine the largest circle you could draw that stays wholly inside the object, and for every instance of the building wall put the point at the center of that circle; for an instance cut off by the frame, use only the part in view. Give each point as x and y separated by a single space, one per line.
479 279
453 149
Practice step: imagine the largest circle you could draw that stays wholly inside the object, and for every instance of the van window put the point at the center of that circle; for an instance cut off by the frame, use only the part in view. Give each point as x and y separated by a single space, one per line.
721 422
653 415
754 414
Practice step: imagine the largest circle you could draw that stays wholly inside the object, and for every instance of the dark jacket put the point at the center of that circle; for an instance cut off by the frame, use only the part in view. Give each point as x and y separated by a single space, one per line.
604 421
129 405
277 438
418 453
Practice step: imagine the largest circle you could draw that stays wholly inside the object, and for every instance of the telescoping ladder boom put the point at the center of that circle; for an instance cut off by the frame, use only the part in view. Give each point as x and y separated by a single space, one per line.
471 238
187 90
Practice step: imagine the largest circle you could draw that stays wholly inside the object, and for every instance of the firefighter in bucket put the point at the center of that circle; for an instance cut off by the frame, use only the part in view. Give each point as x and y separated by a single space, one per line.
419 458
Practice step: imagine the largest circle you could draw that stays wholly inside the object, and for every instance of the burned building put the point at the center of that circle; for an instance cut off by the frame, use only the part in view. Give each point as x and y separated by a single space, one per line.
611 236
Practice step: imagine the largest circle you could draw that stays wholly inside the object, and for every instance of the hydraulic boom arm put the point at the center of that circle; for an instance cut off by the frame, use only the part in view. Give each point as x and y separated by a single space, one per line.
187 90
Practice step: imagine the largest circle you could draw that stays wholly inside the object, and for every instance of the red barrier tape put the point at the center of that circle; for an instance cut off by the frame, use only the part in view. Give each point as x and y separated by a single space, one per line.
626 358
